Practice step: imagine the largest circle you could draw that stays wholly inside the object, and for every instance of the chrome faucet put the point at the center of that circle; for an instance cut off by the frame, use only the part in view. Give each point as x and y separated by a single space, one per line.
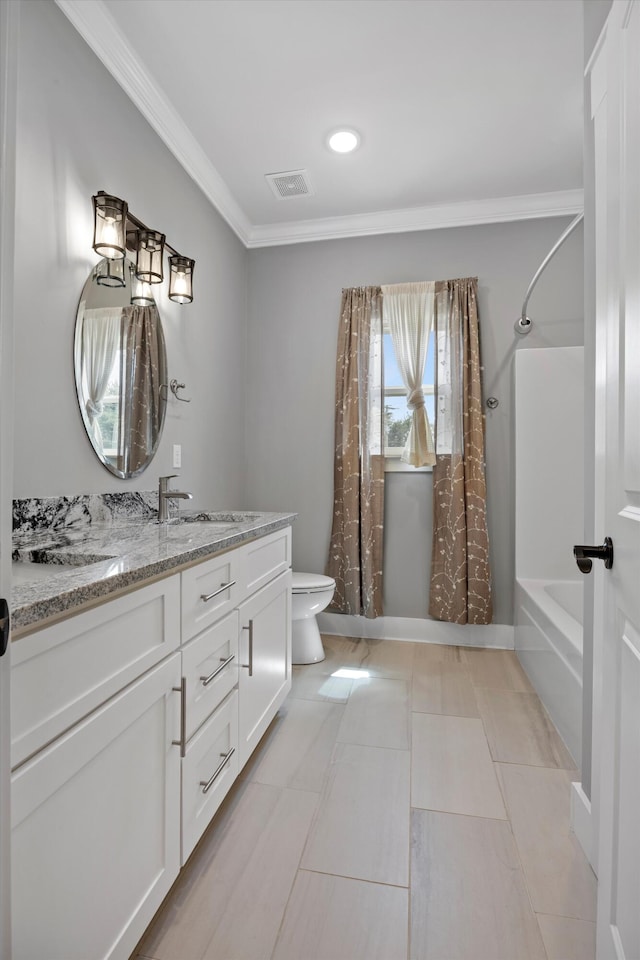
165 494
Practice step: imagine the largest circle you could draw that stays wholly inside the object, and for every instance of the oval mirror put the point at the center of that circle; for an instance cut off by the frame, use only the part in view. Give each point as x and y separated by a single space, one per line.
120 368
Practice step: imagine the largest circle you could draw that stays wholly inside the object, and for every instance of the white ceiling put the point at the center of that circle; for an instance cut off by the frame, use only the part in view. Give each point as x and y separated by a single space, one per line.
461 104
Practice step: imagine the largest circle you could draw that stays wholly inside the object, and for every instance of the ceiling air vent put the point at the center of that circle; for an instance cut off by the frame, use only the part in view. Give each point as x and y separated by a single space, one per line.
291 183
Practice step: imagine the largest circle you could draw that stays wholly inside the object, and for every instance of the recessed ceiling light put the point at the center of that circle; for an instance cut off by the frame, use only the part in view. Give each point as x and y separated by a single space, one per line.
344 141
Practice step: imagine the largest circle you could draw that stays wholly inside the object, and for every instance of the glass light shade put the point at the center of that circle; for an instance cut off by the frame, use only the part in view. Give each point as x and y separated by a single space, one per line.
110 223
149 256
344 141
141 295
110 273
180 279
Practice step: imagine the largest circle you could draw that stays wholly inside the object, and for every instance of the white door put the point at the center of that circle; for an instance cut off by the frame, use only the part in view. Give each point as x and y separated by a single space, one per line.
615 87
9 15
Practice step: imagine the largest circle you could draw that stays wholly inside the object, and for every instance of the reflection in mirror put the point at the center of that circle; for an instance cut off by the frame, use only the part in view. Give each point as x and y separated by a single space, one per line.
120 371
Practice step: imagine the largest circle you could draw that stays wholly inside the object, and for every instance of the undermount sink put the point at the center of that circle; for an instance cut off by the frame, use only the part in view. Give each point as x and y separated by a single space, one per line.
46 562
230 516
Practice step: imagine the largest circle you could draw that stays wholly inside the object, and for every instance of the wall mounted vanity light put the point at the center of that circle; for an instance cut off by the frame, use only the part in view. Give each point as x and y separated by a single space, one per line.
110 273
150 247
110 226
180 279
116 230
141 295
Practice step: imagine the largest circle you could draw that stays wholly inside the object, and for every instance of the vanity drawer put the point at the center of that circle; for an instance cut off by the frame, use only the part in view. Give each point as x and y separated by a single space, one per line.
209 590
264 559
206 777
202 658
63 672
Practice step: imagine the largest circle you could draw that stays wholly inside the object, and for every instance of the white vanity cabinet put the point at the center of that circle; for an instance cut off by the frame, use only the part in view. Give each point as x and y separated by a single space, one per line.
236 671
130 723
96 812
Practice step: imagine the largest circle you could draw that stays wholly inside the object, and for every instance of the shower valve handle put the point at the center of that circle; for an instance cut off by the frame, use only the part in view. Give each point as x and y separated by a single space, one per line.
584 554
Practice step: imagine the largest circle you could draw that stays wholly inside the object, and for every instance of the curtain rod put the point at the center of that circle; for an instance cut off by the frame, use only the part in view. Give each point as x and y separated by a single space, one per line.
523 323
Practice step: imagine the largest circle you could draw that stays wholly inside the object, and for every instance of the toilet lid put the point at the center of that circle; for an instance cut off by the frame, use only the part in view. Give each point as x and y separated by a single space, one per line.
311 583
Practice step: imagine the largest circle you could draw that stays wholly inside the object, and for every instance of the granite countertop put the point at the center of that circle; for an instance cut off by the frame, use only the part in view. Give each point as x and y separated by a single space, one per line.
126 553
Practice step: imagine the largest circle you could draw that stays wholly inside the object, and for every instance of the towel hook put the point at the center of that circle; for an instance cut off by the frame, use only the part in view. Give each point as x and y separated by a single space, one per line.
174 386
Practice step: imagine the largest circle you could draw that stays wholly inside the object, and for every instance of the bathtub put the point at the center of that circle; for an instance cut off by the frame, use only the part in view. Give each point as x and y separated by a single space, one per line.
548 641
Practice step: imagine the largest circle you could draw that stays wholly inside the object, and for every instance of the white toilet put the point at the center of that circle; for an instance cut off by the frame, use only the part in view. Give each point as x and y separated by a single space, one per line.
310 593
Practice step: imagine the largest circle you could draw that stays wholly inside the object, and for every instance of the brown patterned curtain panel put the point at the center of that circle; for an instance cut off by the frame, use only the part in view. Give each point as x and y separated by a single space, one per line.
460 578
355 551
140 385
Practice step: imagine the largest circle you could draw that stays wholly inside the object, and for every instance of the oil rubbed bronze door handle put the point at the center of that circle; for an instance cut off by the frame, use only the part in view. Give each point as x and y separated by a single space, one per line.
584 555
5 624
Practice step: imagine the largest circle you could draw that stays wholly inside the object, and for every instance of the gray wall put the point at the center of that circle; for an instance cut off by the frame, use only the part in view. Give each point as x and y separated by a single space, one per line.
595 12
79 133
294 299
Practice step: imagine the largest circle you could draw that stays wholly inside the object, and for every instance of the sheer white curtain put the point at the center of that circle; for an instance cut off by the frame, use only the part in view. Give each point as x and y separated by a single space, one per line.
101 340
408 310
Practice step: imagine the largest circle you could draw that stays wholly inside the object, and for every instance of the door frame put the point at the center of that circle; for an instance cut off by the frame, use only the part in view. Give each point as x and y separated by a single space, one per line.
596 73
9 36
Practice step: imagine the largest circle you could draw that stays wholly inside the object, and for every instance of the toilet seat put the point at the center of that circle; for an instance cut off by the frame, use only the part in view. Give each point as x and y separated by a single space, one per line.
311 583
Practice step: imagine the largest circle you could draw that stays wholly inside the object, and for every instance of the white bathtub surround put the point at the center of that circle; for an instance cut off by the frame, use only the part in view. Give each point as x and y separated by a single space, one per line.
417 630
549 521
549 461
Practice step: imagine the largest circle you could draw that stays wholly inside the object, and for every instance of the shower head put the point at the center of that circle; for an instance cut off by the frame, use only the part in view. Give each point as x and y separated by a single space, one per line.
523 325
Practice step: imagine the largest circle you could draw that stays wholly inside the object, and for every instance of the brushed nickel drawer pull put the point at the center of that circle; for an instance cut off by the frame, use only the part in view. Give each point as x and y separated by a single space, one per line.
250 664
207 784
207 680
182 742
223 587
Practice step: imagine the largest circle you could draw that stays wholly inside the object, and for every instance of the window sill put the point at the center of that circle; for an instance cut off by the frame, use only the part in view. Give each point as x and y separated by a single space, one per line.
395 465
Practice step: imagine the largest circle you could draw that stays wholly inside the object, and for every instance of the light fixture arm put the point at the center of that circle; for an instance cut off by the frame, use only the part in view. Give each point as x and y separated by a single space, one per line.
139 225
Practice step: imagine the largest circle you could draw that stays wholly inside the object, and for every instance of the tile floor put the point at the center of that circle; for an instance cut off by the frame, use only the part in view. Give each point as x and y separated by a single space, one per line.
409 802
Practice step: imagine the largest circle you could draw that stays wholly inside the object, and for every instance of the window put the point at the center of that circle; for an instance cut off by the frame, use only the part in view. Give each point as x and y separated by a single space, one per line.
397 416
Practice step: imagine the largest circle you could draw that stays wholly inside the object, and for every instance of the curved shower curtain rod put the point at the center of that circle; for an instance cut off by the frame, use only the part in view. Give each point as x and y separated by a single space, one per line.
523 323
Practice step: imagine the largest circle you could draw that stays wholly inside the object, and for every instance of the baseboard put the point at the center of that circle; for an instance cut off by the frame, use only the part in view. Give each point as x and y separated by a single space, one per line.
582 823
499 635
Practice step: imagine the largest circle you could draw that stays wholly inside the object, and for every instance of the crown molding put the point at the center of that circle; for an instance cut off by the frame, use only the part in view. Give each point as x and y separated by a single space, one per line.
95 25
434 217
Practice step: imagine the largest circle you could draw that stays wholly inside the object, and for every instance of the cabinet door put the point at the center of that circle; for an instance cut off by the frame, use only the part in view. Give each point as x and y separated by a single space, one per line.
96 827
265 660
63 672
